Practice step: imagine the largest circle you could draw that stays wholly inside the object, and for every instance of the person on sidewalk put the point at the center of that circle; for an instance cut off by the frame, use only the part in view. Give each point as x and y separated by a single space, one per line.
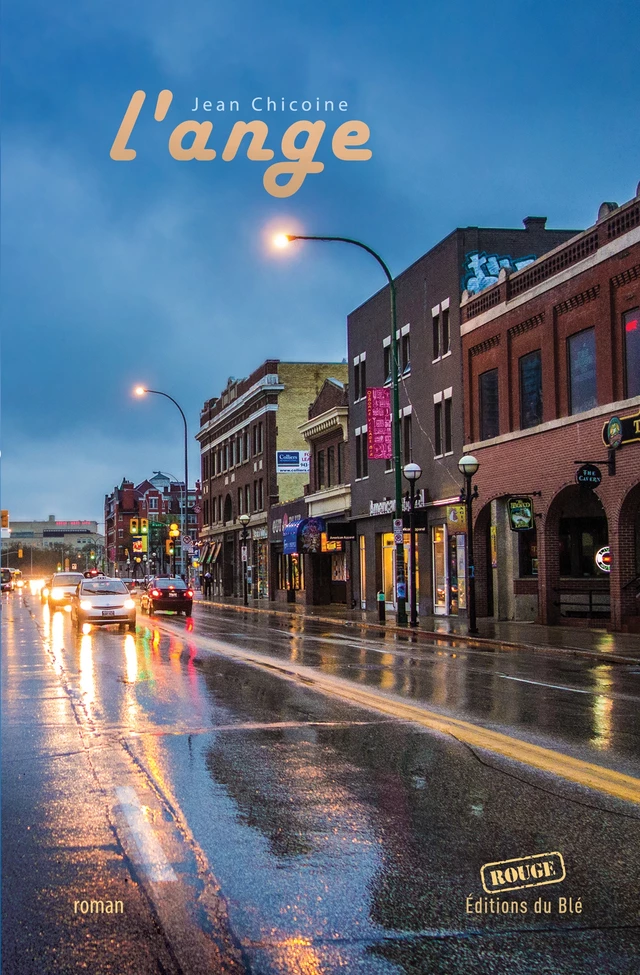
207 585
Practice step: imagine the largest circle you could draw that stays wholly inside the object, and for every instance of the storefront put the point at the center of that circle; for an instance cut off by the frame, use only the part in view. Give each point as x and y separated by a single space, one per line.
287 570
258 569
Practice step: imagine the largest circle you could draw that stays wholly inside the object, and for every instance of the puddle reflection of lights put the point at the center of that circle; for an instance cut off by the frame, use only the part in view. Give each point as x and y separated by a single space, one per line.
155 641
87 684
86 629
602 708
57 641
131 658
189 626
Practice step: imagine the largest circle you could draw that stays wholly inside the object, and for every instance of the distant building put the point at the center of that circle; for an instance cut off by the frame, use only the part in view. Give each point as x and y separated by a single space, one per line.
158 499
241 433
431 412
72 540
551 353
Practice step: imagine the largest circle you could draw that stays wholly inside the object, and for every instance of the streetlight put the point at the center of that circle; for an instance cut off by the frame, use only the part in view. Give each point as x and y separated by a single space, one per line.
244 521
184 562
412 472
468 466
282 240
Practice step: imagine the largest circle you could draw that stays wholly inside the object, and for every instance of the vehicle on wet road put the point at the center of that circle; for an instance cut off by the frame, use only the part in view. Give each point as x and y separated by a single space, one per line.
63 587
102 601
167 593
7 580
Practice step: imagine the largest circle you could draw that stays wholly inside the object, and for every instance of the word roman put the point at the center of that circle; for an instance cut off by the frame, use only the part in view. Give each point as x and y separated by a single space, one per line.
257 105
301 161
494 905
98 907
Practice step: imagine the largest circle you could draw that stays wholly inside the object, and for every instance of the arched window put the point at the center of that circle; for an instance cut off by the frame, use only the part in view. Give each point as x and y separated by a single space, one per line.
228 511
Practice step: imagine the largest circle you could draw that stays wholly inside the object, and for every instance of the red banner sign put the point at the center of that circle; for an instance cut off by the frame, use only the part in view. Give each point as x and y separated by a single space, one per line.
379 423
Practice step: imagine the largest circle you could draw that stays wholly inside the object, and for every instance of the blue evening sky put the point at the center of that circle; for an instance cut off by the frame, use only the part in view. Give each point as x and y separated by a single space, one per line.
158 271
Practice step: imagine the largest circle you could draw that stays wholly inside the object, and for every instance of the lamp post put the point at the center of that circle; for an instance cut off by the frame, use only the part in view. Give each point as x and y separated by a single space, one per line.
412 472
281 240
184 561
468 466
244 521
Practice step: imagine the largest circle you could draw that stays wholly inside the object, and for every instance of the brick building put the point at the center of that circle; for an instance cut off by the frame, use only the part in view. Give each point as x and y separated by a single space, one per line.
318 573
430 365
240 433
551 353
159 499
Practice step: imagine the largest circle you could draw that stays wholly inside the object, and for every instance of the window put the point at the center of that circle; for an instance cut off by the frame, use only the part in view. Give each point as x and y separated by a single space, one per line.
247 451
226 457
437 412
362 458
152 504
240 500
239 457
530 368
528 552
206 511
448 425
365 454
260 493
631 320
356 381
436 336
407 440
387 363
581 352
247 499
331 466
446 332
232 453
363 377
342 473
320 475
406 353
489 418
254 439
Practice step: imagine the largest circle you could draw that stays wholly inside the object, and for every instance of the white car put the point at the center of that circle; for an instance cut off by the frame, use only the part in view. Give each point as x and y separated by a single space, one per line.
101 600
63 586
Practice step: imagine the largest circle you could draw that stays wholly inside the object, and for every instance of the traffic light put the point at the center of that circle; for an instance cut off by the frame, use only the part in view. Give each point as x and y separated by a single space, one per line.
19 553
144 526
168 546
5 518
92 555
133 526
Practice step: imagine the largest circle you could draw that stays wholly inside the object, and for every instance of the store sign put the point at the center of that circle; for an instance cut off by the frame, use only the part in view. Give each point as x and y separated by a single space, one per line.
139 544
341 531
456 518
589 475
603 559
623 430
379 423
292 461
521 514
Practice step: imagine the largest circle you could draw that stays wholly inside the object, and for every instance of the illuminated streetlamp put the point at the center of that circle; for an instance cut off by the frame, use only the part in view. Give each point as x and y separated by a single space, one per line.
282 240
412 472
244 521
468 465
184 562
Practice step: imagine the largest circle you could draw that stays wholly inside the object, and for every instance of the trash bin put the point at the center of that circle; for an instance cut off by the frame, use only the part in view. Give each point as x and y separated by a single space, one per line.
382 607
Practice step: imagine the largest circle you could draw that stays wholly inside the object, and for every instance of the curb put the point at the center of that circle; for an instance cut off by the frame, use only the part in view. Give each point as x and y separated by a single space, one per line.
430 635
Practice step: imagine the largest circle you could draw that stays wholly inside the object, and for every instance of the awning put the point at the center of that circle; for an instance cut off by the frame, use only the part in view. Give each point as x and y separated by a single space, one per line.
215 552
290 538
203 553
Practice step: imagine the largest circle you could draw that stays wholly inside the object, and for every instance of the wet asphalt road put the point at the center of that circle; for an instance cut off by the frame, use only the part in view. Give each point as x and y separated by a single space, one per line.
295 832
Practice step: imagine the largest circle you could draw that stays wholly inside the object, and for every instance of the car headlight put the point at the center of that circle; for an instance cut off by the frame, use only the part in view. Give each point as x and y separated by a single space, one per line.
129 604
57 593
45 591
86 604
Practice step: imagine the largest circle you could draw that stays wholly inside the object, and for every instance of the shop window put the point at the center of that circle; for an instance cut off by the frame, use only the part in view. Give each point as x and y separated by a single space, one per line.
290 572
489 416
579 540
530 370
631 322
528 553
581 355
437 415
436 336
320 473
331 466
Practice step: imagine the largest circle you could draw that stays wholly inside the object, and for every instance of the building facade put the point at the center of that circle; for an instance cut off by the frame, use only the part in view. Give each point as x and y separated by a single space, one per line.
431 415
76 543
552 354
241 432
159 500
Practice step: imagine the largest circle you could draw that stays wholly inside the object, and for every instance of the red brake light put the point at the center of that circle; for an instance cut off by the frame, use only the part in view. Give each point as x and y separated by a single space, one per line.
189 592
155 592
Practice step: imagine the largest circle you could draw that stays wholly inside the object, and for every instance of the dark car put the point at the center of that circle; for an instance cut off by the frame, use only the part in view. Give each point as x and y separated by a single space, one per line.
167 593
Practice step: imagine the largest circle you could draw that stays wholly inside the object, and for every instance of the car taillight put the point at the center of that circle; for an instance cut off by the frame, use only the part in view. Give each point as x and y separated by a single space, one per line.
155 592
189 593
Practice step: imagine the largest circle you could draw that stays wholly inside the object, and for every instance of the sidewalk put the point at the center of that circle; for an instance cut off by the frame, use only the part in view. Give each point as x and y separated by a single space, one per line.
580 640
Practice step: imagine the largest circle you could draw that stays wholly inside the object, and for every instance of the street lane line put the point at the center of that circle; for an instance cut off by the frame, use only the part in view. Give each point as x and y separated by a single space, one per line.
152 858
576 770
614 696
